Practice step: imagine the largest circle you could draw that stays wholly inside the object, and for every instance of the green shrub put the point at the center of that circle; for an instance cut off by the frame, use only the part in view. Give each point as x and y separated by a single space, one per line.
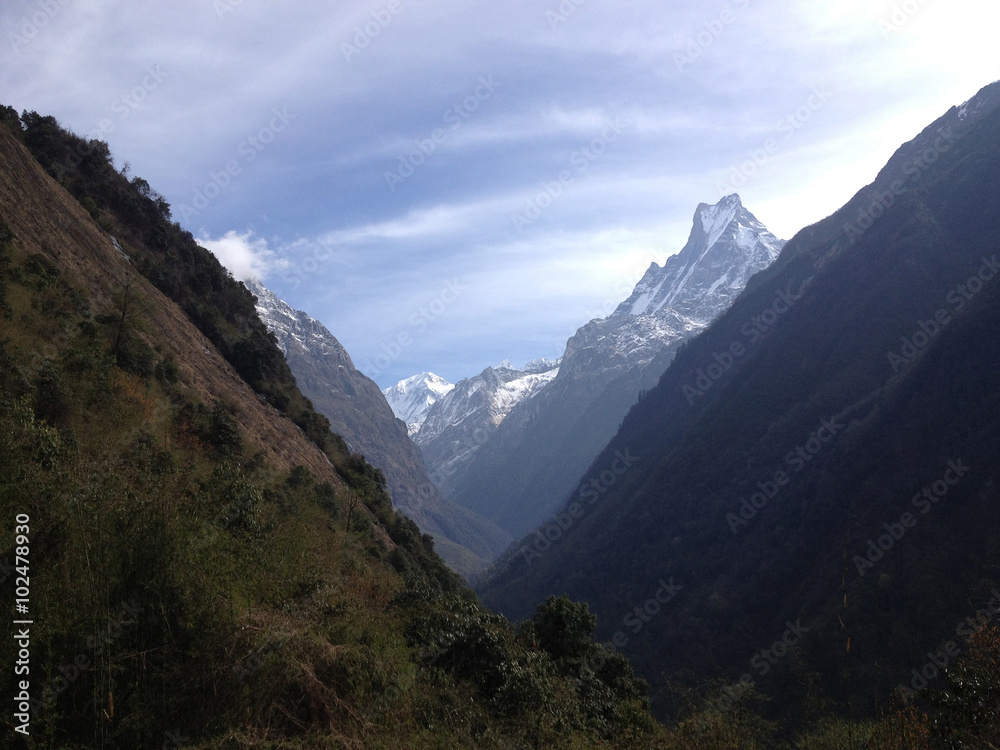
326 498
224 432
52 398
165 371
6 239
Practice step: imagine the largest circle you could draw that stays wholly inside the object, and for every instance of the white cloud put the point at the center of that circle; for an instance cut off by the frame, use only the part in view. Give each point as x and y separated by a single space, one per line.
245 257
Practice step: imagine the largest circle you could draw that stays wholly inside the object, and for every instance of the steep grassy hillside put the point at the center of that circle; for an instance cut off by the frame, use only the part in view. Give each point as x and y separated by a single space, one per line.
190 276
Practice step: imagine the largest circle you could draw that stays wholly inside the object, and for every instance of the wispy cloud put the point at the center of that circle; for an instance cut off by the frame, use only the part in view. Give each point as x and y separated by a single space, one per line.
418 224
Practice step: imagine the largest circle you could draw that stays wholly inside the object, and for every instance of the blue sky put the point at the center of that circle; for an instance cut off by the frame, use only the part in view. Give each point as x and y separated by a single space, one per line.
449 184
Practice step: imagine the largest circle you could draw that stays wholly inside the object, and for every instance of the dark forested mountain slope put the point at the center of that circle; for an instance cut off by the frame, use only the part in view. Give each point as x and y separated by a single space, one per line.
790 440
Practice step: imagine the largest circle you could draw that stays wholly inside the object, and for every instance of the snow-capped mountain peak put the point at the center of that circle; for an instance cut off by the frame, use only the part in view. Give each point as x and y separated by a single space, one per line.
727 245
715 219
413 397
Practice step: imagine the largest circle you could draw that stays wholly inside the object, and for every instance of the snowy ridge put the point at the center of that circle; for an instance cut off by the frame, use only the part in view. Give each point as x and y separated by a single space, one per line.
541 365
413 397
515 391
287 323
461 422
481 402
535 366
499 389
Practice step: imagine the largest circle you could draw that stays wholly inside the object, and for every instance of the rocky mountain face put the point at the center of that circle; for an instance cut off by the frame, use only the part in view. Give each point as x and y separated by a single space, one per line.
518 469
817 470
358 411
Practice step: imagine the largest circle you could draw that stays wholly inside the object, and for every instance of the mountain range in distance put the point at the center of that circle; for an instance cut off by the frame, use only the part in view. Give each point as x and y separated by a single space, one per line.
429 435
510 444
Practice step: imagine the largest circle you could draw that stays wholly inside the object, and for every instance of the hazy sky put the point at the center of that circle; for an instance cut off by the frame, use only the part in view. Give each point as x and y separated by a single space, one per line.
448 184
